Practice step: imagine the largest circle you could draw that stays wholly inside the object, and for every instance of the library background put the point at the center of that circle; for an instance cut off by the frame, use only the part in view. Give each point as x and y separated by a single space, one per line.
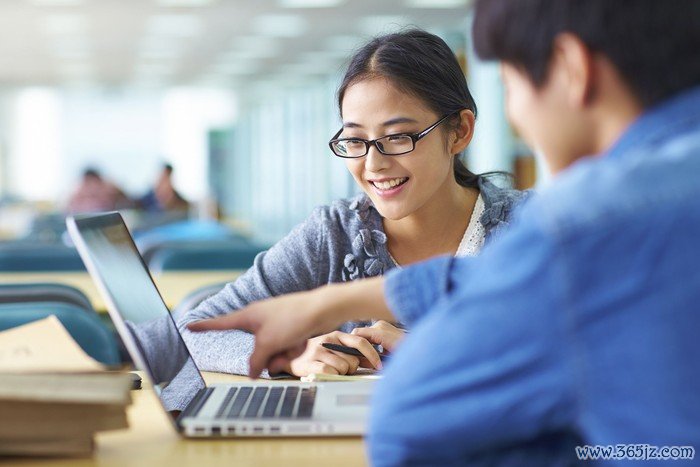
237 96
206 124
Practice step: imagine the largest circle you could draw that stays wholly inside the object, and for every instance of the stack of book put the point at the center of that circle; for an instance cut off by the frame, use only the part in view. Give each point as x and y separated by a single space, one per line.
53 397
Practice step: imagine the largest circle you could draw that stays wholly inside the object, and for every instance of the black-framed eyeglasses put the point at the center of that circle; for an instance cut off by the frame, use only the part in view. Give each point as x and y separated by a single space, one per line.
389 145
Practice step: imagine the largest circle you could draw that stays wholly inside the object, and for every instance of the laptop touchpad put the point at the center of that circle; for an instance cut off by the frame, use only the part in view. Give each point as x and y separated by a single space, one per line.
349 400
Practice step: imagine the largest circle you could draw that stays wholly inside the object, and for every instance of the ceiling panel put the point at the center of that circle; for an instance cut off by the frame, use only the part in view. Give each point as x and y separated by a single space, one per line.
127 42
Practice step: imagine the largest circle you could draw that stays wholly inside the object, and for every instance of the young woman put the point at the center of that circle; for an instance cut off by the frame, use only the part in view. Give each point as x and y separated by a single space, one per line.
407 116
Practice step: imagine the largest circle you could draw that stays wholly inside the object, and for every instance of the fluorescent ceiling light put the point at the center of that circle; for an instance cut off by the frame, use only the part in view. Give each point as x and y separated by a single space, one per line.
70 47
185 3
154 69
76 69
149 83
437 3
213 79
309 3
70 54
56 2
159 47
247 54
65 24
255 43
158 51
245 67
177 25
81 85
280 25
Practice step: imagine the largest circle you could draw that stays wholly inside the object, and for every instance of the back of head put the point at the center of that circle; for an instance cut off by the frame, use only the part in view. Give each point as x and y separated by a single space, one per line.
654 45
422 65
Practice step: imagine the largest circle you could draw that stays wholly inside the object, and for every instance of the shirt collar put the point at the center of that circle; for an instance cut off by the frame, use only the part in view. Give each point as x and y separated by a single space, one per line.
659 122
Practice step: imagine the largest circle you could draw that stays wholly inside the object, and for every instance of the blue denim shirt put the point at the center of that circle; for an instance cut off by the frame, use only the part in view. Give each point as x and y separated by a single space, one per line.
580 325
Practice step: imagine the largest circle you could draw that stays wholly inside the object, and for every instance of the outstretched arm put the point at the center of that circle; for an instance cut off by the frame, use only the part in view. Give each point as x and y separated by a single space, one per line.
283 324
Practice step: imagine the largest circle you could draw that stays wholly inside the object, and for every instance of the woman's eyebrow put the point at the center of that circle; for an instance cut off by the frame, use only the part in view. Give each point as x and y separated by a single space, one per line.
397 120
393 121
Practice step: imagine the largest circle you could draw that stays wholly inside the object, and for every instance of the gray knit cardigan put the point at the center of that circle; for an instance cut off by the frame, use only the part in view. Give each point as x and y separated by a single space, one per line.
337 243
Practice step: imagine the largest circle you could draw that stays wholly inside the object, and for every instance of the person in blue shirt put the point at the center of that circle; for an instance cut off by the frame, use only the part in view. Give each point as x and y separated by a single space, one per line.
577 330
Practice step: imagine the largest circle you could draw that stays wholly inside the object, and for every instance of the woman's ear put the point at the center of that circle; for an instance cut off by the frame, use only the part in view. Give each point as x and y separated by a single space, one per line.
461 136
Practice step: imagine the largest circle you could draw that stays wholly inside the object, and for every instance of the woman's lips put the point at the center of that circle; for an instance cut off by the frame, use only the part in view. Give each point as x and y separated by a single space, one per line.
389 187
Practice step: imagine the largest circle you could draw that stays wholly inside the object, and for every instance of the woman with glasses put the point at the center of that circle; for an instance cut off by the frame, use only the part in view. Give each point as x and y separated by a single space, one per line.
407 116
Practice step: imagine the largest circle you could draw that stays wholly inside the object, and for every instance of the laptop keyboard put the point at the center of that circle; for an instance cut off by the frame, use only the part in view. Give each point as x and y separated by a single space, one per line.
267 402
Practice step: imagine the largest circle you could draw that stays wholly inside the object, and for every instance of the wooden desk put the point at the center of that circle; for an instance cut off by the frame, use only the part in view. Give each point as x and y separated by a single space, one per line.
152 441
174 286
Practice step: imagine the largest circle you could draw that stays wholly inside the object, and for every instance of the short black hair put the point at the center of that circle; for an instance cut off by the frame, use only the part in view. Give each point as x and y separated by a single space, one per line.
654 45
423 65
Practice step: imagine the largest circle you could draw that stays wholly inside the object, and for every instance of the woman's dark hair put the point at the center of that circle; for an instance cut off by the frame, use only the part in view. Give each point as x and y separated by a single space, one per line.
654 45
422 65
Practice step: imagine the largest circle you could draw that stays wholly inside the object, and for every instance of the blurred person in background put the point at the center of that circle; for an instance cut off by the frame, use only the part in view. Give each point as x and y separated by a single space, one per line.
163 197
95 194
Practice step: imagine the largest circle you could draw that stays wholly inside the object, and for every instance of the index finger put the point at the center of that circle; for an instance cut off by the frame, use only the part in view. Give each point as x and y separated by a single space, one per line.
236 320
364 346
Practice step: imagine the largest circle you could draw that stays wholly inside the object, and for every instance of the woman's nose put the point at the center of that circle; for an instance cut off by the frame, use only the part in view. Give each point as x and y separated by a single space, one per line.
375 160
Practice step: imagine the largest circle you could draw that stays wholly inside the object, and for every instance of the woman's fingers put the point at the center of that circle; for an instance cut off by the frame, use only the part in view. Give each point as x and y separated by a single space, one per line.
281 362
360 343
381 333
342 363
320 367
318 359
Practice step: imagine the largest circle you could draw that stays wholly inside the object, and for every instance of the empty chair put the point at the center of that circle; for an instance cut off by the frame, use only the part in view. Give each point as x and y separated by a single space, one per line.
203 256
83 325
23 257
47 228
43 292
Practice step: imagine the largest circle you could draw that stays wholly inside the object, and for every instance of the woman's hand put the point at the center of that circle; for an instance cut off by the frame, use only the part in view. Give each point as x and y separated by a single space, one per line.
282 324
381 333
318 359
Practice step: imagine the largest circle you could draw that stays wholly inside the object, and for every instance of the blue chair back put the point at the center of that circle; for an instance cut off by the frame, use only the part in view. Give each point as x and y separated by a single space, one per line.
22 257
194 298
83 325
43 292
203 256
149 240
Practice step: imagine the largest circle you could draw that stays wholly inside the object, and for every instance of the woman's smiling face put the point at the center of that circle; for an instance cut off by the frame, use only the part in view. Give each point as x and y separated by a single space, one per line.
397 185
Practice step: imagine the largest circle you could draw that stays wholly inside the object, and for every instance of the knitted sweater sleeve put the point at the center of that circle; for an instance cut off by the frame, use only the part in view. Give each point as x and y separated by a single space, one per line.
297 262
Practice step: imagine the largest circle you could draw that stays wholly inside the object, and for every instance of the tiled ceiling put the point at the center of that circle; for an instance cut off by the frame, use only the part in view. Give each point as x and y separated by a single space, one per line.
176 42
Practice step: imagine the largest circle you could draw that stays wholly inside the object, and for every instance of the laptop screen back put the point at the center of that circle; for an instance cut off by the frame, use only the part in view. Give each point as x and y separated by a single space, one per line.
136 307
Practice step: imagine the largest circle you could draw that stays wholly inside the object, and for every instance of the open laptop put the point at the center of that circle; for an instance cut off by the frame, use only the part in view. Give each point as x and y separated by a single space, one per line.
238 409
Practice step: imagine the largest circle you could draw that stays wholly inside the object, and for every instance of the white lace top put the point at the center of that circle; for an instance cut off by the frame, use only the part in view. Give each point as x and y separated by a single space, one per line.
474 236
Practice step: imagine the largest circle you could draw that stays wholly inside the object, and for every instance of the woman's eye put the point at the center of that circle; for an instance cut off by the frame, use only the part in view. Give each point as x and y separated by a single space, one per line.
397 138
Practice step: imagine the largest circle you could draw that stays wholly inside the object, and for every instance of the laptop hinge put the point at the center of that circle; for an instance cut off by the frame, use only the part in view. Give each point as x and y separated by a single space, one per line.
196 404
